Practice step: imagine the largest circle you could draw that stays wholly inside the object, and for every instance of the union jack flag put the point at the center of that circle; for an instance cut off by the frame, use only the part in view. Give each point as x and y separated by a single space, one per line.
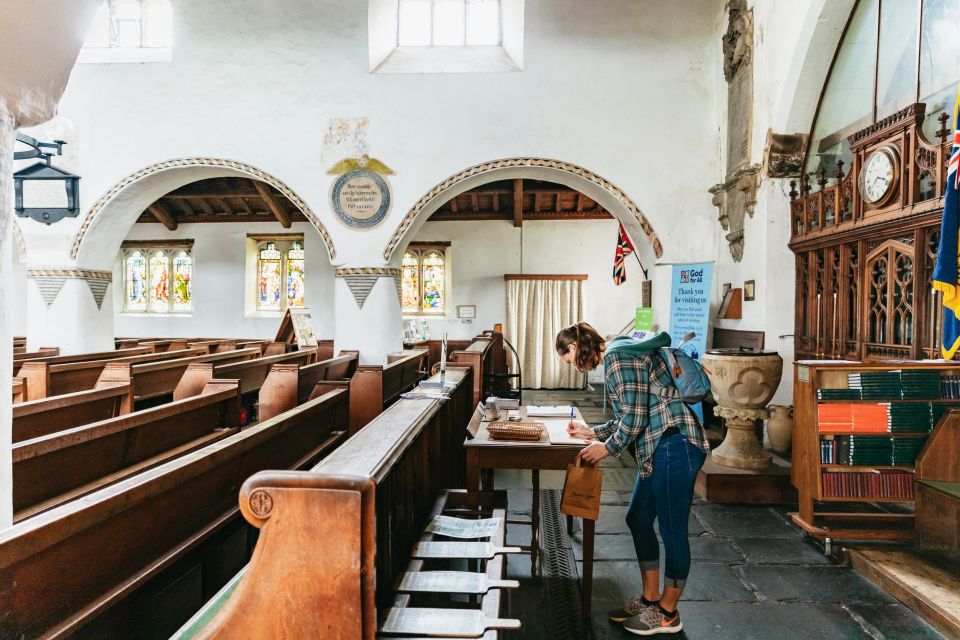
624 248
946 275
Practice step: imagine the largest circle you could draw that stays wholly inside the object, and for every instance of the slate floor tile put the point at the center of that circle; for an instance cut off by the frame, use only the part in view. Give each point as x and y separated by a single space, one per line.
780 551
616 582
620 547
761 621
812 584
743 522
894 622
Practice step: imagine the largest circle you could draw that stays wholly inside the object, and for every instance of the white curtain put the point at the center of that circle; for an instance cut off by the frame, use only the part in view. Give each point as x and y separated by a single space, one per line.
536 311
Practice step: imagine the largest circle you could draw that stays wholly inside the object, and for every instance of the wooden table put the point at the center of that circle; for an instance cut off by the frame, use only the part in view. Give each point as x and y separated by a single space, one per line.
484 455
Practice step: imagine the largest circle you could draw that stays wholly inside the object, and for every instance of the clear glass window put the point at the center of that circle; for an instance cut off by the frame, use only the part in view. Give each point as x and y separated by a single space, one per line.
157 280
131 24
424 23
280 274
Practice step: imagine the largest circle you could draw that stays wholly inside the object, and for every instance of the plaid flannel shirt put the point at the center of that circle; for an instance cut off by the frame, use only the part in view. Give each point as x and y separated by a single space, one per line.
641 418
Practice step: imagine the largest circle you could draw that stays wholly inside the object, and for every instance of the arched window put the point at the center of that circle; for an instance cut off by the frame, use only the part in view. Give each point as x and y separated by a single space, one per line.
426 23
879 69
425 280
157 279
280 274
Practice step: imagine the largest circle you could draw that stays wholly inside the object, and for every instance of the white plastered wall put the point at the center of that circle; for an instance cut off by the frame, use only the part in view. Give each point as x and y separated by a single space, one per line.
220 284
481 252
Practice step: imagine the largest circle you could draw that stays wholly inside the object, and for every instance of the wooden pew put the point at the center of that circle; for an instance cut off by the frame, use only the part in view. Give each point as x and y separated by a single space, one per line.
373 388
84 357
170 344
62 466
938 489
49 415
110 565
158 379
214 346
376 493
250 373
288 385
42 352
479 357
45 379
19 390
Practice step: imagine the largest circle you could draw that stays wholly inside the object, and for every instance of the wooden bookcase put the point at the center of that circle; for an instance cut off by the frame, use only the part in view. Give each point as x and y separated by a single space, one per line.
853 523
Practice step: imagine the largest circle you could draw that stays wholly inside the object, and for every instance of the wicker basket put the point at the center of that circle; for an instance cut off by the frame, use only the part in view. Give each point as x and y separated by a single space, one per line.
505 430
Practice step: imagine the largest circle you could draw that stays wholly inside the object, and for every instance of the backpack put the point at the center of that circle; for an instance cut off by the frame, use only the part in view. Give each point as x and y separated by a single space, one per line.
690 381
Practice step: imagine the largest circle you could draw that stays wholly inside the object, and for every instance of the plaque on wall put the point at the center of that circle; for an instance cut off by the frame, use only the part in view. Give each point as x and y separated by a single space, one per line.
360 196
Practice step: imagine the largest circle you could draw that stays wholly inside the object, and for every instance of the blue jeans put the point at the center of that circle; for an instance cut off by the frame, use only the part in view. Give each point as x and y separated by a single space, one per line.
666 496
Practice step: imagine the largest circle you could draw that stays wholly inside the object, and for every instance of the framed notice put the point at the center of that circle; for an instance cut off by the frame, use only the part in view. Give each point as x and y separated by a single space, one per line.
296 327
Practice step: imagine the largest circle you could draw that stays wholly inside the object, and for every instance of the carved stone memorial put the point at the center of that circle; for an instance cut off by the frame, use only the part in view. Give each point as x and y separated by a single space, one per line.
736 195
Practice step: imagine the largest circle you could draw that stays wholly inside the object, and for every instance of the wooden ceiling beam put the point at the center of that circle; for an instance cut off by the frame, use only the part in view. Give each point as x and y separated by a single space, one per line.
536 202
185 205
272 204
557 205
207 209
224 207
162 215
496 202
518 202
453 205
475 201
245 205
579 202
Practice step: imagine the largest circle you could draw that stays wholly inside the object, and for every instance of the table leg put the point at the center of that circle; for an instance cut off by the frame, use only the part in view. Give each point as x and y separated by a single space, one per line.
569 525
588 529
535 523
473 471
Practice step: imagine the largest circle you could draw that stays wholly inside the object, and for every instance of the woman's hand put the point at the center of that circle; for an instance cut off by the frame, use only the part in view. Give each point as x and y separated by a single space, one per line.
580 430
594 453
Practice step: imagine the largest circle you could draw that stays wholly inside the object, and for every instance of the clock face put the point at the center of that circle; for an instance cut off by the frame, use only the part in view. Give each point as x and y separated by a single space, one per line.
877 176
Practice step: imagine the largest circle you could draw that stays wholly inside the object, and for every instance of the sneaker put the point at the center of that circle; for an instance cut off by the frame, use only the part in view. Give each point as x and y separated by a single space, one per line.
651 622
632 608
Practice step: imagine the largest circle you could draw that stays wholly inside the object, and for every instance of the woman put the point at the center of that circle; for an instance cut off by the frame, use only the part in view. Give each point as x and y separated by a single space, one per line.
669 445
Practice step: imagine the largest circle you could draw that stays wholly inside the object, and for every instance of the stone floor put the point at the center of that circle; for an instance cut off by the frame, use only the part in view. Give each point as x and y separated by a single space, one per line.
753 576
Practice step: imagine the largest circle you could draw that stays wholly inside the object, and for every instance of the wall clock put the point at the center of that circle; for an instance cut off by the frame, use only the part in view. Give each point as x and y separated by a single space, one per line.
878 177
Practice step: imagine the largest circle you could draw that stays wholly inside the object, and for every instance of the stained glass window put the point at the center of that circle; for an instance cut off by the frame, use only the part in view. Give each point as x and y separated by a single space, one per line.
295 275
157 280
136 285
411 283
280 274
424 278
182 281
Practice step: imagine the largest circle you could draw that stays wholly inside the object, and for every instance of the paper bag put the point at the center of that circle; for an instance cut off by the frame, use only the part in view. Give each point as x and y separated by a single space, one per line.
581 491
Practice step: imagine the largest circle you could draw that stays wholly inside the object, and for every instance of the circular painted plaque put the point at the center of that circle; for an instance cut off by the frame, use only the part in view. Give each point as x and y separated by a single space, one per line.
360 198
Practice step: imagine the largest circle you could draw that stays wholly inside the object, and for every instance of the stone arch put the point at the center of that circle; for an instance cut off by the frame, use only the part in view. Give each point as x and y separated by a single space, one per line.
119 207
607 194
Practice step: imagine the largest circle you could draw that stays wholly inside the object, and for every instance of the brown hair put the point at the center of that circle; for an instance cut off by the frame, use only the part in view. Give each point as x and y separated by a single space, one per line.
587 341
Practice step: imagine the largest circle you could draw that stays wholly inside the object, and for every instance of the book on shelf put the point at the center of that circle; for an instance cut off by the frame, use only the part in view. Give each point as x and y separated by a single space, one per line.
879 484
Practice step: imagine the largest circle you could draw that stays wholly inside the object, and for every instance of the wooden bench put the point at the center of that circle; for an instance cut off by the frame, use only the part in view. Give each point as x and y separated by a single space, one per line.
479 357
938 489
42 352
49 415
83 357
142 554
376 493
45 379
373 388
250 373
62 466
214 346
288 385
19 388
152 380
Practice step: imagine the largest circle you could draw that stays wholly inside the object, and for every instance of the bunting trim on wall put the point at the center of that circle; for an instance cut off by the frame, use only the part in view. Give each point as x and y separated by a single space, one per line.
51 281
361 280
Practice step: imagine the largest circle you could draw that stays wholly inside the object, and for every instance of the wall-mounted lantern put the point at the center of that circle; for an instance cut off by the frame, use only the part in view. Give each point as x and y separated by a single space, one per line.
42 191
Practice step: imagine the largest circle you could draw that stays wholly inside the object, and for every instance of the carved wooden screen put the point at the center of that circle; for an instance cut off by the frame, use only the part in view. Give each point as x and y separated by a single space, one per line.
929 333
889 301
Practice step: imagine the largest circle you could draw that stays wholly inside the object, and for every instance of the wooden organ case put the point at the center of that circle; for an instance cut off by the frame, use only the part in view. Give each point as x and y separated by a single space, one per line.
866 245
